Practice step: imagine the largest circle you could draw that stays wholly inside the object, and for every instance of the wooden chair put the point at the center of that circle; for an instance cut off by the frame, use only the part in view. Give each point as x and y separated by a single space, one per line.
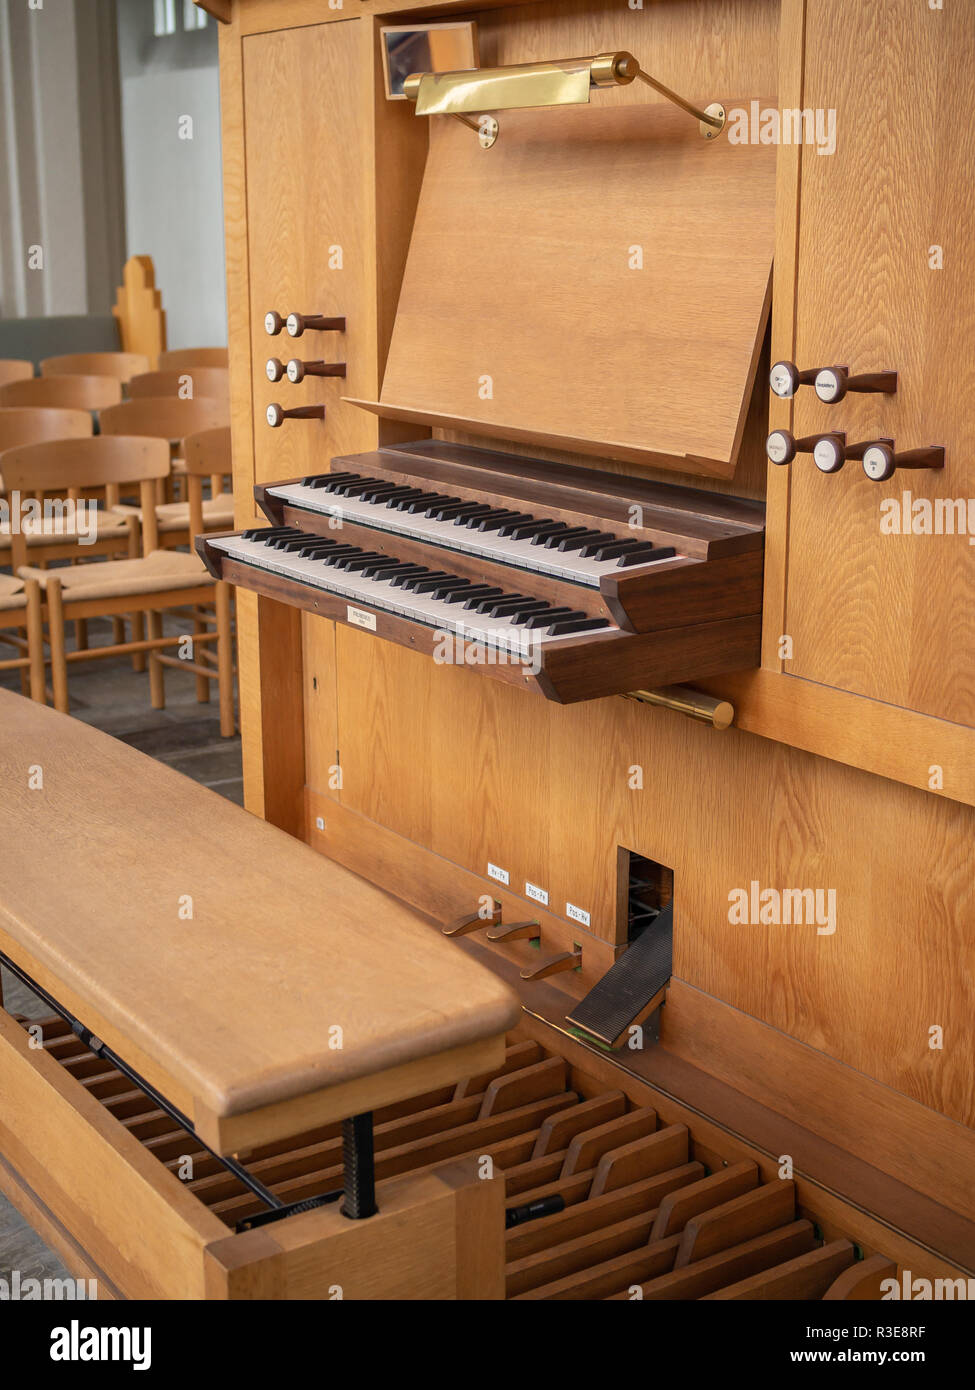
165 417
21 627
24 424
149 585
206 454
15 369
67 392
181 358
121 365
187 383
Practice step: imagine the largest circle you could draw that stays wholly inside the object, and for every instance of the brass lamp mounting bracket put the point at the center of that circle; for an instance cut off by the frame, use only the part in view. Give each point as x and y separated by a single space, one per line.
565 82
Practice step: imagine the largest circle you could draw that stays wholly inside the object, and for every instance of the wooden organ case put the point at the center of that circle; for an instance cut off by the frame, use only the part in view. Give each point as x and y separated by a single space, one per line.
744 1063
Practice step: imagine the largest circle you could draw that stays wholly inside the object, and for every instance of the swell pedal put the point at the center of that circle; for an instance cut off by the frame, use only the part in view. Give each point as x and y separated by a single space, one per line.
632 988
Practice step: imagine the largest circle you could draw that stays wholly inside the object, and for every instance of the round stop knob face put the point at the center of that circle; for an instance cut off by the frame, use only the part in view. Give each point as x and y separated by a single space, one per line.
274 415
294 371
272 369
784 379
828 385
878 463
828 456
272 323
293 324
778 447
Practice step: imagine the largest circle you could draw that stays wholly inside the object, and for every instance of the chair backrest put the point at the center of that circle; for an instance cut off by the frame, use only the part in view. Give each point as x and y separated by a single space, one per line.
207 454
75 465
165 417
121 365
181 358
15 369
68 392
23 424
187 383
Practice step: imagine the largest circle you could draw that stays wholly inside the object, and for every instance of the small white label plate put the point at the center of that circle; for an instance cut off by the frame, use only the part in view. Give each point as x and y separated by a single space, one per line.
532 890
500 874
361 618
577 914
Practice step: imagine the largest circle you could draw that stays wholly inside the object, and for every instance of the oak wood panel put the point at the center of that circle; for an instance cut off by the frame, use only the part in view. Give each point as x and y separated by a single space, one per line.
134 1219
552 210
900 621
306 195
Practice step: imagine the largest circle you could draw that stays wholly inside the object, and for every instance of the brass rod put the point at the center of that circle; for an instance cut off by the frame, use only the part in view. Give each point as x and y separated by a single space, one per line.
707 710
716 121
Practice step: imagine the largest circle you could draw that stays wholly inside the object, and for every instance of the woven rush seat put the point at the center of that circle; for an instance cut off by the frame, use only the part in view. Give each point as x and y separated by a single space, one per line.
12 595
52 531
160 570
218 512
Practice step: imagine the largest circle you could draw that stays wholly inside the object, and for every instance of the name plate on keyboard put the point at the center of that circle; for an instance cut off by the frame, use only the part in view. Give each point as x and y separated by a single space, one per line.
358 617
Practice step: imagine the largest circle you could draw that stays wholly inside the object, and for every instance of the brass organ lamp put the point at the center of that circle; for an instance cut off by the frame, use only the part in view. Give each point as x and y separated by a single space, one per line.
565 82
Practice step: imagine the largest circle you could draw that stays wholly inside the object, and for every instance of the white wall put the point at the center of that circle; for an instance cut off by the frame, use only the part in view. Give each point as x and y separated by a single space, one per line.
173 186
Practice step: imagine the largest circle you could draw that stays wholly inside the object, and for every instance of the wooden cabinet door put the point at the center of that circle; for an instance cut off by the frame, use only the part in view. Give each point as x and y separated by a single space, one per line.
305 105
888 615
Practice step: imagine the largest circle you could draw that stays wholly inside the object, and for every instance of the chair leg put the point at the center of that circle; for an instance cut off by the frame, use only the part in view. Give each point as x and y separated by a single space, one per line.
118 631
225 662
35 640
81 634
157 680
138 635
59 666
202 683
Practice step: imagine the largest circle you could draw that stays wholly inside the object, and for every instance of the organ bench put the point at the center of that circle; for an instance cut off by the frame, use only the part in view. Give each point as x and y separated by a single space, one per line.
218 989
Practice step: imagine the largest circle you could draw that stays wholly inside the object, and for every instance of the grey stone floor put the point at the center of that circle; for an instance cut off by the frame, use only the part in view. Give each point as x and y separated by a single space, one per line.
186 736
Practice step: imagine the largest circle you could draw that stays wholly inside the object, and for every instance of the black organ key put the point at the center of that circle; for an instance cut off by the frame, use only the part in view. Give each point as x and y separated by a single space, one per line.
288 537
425 501
587 539
472 600
499 607
486 605
356 562
339 552
325 480
383 492
556 538
646 553
547 533
451 510
611 549
479 509
561 629
261 533
562 615
519 612
416 571
386 569
433 508
315 549
470 593
520 530
407 495
430 582
449 589
350 487
494 520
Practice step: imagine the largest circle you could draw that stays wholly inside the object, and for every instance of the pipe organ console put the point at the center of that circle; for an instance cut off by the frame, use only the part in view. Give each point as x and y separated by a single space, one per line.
739 1064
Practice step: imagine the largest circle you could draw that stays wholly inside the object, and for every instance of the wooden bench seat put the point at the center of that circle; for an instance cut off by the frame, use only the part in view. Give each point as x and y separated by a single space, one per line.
259 987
